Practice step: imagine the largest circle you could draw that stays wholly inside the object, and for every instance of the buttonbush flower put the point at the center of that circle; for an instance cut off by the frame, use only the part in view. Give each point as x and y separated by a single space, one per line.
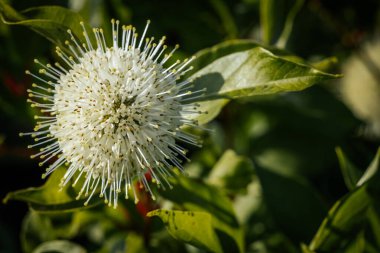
113 113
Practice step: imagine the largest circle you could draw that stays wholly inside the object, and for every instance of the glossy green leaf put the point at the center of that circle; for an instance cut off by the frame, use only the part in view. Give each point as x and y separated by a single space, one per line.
232 172
350 173
208 55
191 227
249 73
49 197
199 197
52 22
255 72
59 246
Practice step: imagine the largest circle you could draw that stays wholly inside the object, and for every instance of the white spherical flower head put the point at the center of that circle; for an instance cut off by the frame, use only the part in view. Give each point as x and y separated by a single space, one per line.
113 114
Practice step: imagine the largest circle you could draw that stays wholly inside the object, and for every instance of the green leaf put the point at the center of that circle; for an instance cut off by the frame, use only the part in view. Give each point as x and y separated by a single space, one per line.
350 173
208 55
199 197
227 19
249 73
345 217
288 26
134 243
52 22
232 172
305 249
59 246
325 64
255 72
191 227
49 197
372 170
374 221
357 245
276 17
247 205
284 192
210 109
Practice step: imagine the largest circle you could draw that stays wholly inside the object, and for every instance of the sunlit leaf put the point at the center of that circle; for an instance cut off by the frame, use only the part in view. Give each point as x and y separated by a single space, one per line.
248 204
199 197
59 246
191 227
208 55
252 72
371 170
49 197
255 72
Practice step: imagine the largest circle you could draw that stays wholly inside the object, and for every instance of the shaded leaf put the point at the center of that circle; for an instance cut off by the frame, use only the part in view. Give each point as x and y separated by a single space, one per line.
284 192
357 245
225 15
134 243
325 64
288 26
232 172
52 22
276 18
191 227
344 217
350 173
374 221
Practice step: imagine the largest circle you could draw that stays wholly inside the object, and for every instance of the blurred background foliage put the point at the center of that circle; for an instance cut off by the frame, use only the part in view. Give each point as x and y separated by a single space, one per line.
296 172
